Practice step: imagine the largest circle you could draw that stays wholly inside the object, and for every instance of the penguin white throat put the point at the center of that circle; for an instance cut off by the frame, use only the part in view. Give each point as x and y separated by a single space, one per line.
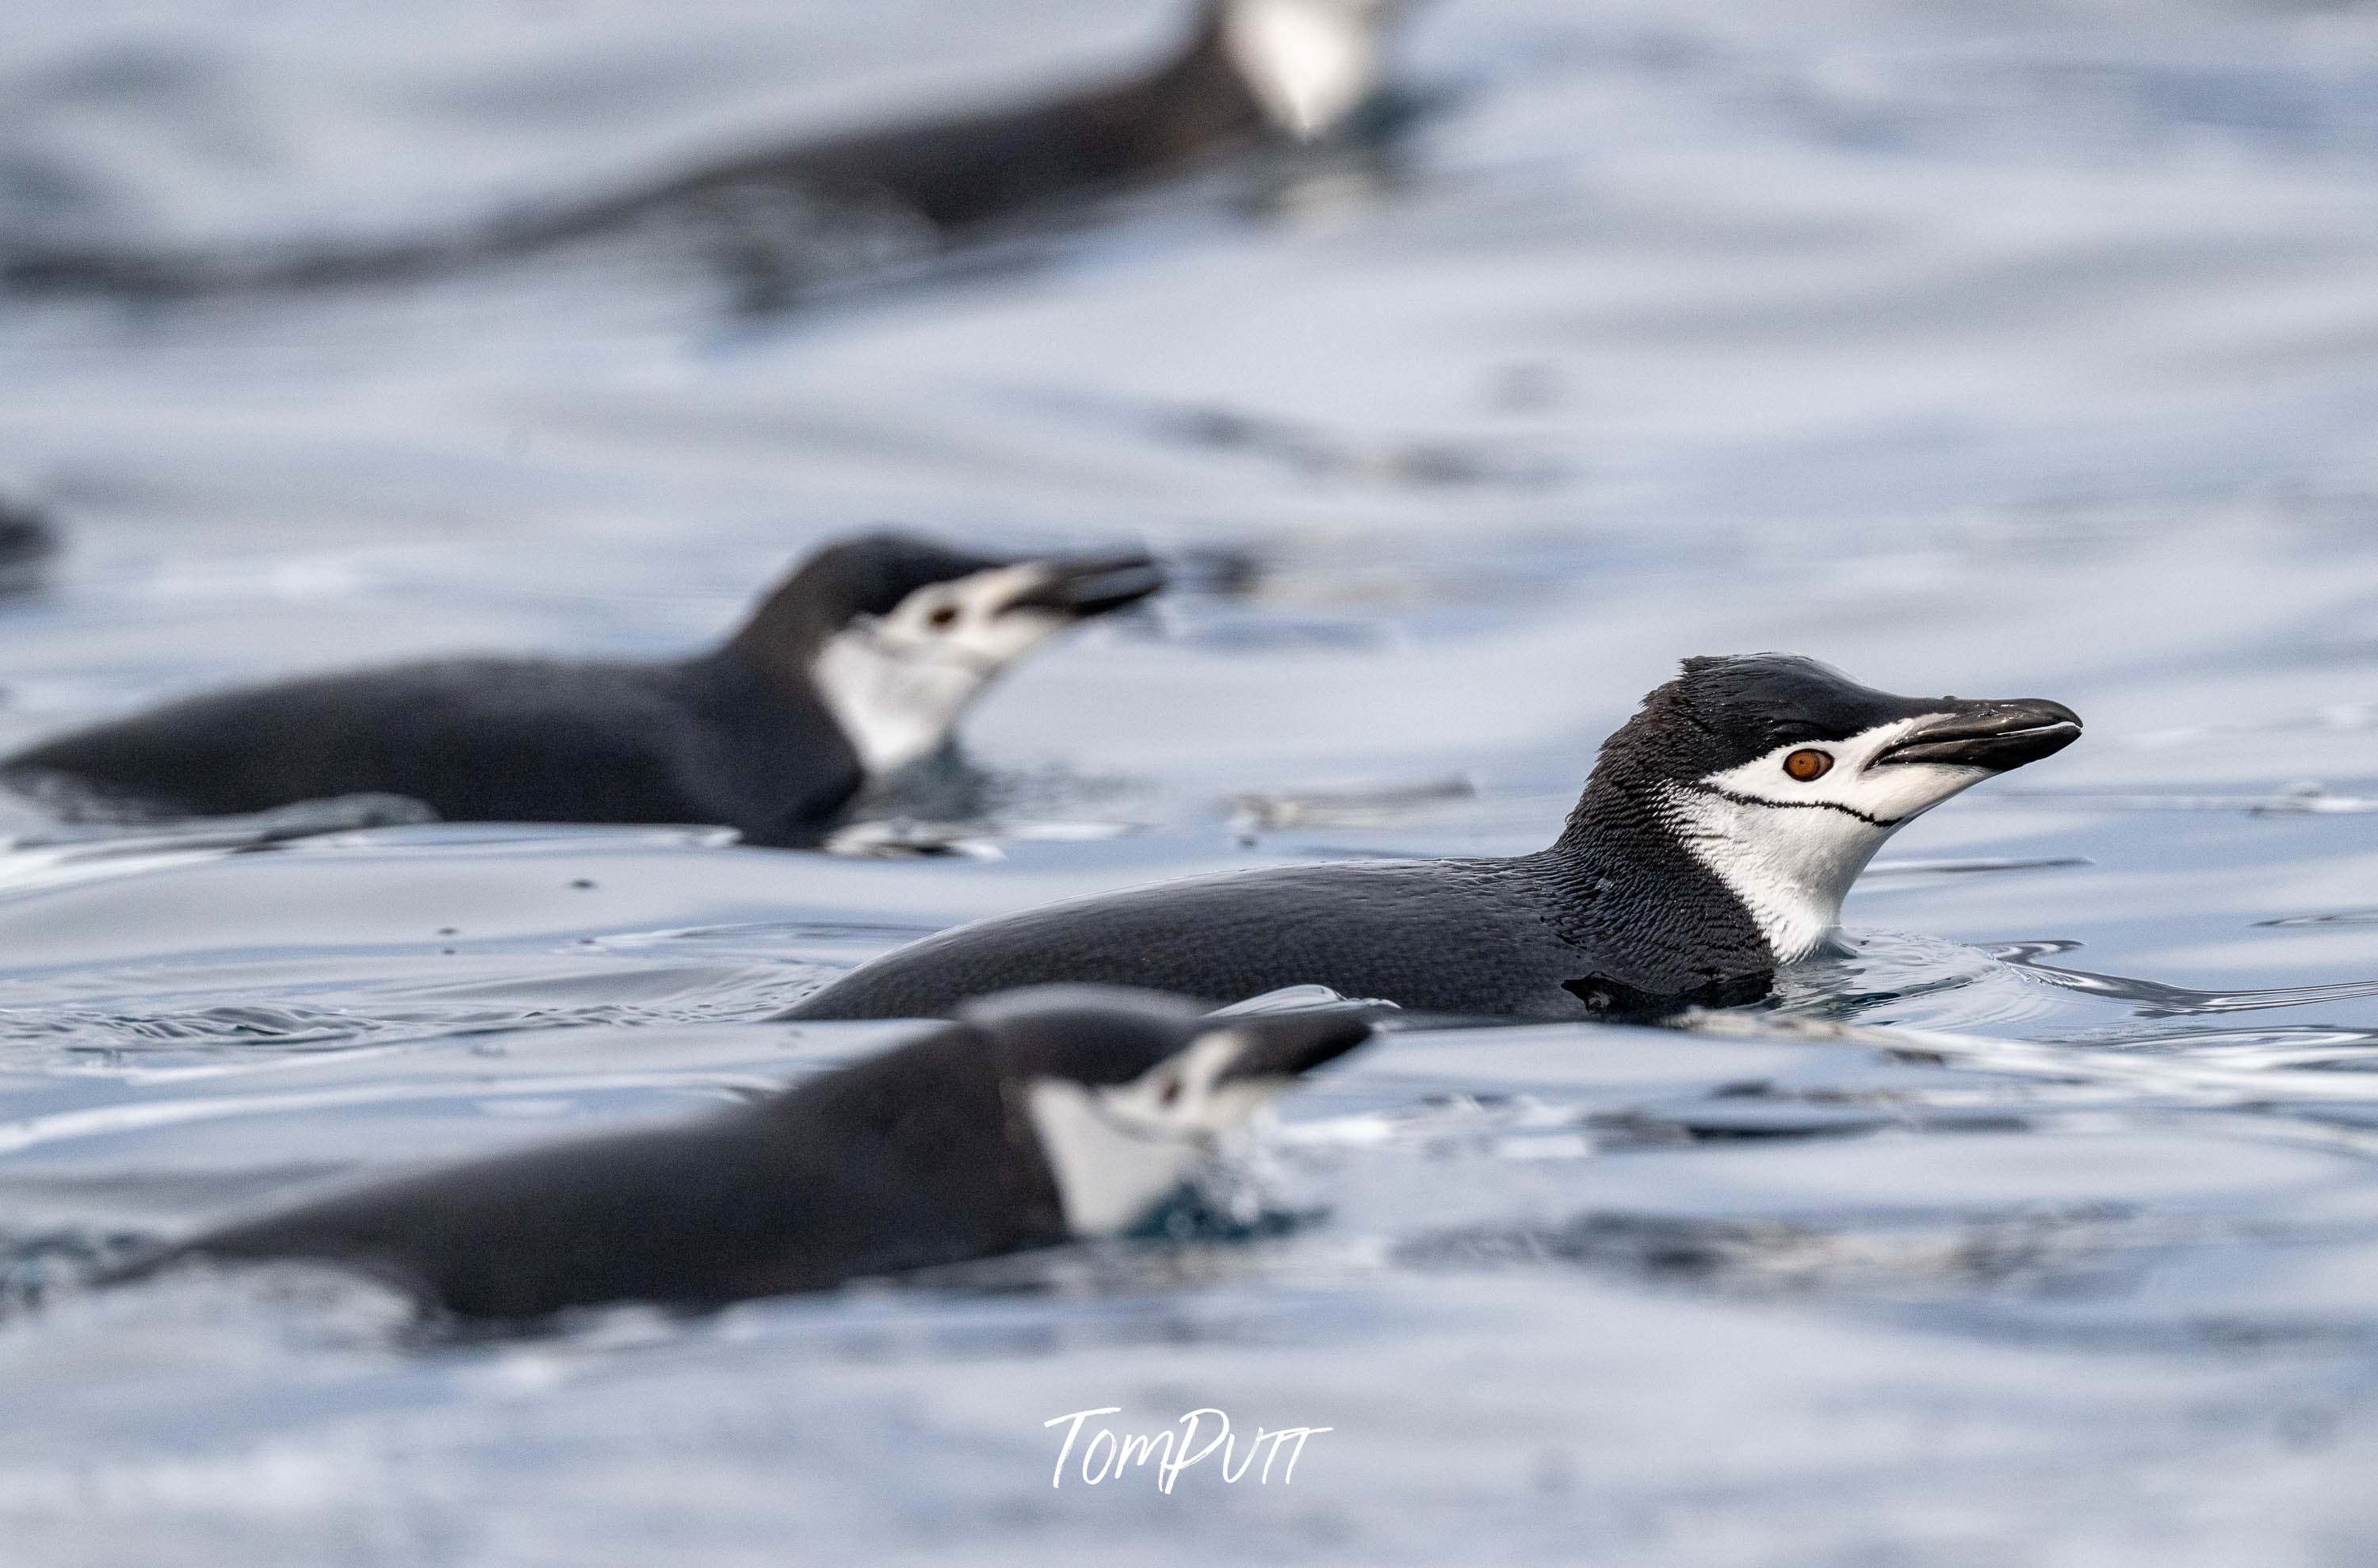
1117 1150
1309 63
1787 836
897 683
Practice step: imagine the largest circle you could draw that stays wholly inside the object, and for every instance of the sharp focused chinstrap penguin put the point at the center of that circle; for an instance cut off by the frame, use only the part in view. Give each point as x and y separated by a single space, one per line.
1027 1120
858 664
1714 841
1249 71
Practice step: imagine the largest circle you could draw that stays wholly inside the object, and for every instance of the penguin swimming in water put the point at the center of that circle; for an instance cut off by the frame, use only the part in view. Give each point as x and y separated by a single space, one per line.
858 664
1250 71
1029 1119
1714 841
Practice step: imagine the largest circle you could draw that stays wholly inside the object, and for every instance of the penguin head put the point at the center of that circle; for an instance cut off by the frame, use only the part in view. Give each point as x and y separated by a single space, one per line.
897 635
1127 1091
1782 776
1310 63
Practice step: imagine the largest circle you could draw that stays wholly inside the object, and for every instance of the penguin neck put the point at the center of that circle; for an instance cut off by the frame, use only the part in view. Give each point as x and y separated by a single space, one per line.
1625 887
1295 69
1190 101
782 635
785 748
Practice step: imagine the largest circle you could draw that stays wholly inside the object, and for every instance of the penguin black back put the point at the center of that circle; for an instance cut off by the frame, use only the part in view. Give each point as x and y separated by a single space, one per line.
930 1153
972 169
1715 840
894 1163
858 664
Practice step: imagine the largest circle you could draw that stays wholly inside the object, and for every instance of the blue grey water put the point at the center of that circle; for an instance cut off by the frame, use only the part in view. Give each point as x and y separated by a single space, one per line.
2005 347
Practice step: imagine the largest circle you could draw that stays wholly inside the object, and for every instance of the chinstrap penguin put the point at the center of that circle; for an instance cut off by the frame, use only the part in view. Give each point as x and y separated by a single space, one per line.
1297 72
1714 841
1032 1118
858 664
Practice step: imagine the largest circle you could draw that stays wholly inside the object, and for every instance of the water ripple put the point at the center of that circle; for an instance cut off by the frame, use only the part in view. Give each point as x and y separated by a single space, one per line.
2160 1000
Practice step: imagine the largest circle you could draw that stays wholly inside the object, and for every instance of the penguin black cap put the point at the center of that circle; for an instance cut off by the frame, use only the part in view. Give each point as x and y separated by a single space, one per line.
1027 1120
1721 713
875 575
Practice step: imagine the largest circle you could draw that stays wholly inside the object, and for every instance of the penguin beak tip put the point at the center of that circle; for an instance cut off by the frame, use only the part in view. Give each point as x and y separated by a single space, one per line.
1995 736
1086 587
1288 1046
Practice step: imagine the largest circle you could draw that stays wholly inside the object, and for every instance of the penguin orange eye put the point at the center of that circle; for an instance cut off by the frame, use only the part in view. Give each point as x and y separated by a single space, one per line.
945 616
1806 763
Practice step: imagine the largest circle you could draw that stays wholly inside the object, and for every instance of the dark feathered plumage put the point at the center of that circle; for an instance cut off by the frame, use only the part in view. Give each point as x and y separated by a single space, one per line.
922 1155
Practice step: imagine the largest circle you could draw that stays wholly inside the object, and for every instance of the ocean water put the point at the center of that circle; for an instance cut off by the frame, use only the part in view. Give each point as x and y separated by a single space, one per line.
2006 347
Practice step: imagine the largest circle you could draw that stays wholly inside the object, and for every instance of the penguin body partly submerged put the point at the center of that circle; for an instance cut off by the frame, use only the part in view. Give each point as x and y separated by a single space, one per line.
1714 841
1028 1120
1293 69
1249 70
856 665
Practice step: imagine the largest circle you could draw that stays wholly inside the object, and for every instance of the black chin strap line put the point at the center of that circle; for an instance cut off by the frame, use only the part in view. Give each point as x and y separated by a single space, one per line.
1741 800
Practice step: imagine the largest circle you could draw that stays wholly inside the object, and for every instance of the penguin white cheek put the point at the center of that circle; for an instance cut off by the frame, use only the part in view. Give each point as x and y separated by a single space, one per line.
1789 832
1116 1151
898 683
1107 1176
1310 62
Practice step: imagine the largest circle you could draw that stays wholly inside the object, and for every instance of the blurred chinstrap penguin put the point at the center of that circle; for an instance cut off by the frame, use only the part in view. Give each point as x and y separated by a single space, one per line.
1714 841
1250 72
858 664
1029 1119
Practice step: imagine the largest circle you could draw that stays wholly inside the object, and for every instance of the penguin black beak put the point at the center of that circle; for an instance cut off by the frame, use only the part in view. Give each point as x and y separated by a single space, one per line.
1288 1044
1992 735
1082 586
